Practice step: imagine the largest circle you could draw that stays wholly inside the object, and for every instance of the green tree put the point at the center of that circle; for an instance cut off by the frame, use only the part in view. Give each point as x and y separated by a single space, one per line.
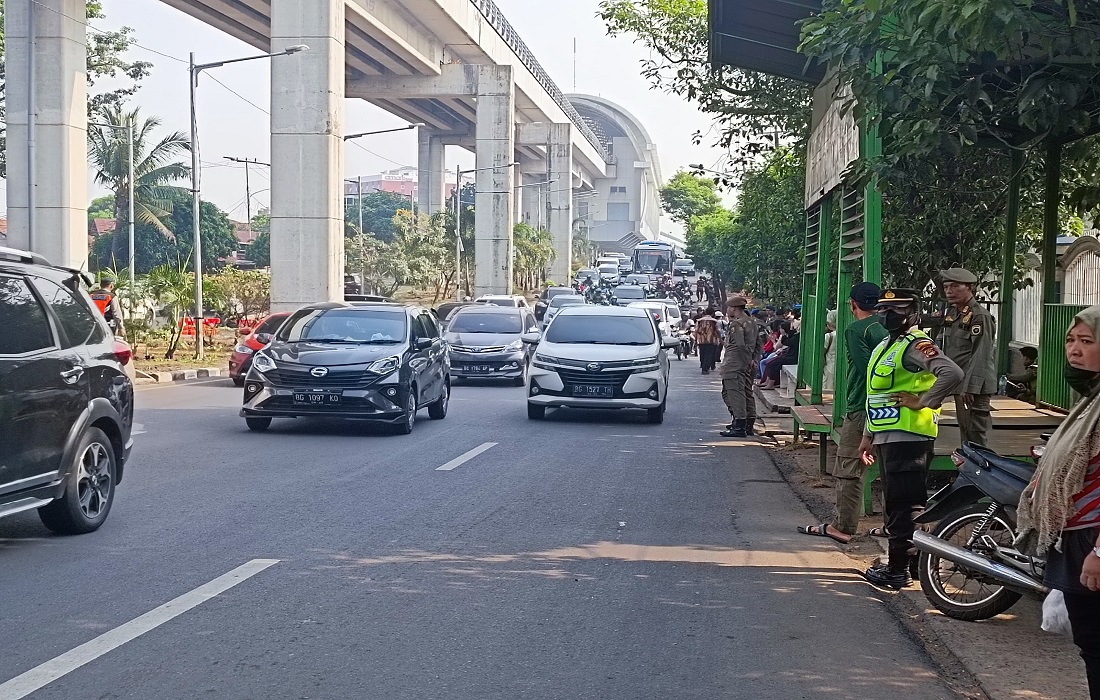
748 107
173 289
102 208
151 248
246 293
379 210
105 61
532 251
259 250
219 240
687 196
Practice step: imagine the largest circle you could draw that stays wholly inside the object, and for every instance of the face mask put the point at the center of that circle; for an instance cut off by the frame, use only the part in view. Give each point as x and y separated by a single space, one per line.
1082 381
892 320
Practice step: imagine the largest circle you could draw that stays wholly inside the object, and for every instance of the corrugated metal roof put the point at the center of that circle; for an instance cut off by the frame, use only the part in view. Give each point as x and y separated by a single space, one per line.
763 35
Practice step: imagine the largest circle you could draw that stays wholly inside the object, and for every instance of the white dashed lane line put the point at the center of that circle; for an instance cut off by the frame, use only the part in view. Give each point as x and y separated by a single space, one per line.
461 459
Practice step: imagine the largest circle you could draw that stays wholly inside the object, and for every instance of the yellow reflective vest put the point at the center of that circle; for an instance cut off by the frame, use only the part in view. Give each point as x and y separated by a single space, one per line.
886 375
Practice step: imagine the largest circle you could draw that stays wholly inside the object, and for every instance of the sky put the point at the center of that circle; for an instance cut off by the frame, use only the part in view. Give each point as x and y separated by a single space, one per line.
233 118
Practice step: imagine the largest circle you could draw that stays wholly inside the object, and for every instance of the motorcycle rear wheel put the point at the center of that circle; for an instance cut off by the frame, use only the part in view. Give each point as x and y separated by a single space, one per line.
956 591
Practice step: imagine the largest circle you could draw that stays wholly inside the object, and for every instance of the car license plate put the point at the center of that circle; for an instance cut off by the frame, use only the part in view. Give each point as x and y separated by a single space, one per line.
594 390
317 398
477 368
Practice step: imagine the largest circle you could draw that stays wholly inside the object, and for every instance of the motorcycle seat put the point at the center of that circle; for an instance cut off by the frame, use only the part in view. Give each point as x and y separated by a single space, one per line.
1023 471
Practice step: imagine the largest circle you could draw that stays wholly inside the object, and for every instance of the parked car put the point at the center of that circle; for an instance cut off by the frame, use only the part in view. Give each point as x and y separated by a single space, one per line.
558 303
66 400
251 341
599 357
544 299
513 300
684 267
485 343
366 361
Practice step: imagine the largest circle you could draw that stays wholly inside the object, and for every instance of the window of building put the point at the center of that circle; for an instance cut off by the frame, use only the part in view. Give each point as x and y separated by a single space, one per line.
617 189
618 211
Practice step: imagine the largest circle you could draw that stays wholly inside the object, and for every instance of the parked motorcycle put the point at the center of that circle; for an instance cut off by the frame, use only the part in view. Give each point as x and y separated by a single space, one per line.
968 566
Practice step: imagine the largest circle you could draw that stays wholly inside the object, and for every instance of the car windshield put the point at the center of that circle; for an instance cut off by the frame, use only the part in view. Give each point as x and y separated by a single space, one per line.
655 261
609 269
474 322
557 292
365 326
568 300
626 292
270 324
586 273
601 330
498 301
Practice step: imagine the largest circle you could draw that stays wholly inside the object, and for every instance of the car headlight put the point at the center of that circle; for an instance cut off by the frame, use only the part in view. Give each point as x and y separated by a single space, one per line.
263 363
243 349
514 346
646 364
385 366
545 361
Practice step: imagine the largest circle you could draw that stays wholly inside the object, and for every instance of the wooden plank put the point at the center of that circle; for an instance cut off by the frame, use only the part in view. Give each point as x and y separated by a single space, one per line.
1007 443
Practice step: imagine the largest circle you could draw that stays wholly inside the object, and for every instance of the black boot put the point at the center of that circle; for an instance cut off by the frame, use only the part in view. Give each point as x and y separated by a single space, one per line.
736 429
886 577
750 427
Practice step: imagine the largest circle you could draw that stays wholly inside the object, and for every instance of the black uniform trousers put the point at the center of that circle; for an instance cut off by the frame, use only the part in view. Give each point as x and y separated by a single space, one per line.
1063 571
905 468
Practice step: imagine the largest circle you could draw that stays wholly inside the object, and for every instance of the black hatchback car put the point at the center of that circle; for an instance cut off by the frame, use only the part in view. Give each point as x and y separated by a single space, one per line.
366 361
66 402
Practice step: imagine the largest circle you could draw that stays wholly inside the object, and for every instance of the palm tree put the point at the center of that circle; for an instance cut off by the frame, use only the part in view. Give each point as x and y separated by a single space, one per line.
155 167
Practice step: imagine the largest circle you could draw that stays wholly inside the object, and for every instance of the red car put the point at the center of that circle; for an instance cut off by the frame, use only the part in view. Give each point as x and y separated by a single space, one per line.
250 342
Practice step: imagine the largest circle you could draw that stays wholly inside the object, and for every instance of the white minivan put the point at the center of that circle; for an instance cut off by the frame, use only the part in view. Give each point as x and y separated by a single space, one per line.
603 357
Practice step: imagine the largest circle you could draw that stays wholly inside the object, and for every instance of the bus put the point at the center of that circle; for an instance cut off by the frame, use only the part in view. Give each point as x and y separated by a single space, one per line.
653 258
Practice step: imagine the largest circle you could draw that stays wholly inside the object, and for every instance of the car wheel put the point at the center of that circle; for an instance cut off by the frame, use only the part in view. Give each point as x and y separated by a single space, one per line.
258 425
89 488
656 415
408 421
238 381
536 412
437 410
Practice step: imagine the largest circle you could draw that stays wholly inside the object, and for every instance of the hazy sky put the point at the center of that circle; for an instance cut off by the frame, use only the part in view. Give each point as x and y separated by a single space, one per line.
230 126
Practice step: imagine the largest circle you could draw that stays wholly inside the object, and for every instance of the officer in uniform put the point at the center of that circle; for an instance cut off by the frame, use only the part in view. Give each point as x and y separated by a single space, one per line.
967 337
106 300
740 356
908 378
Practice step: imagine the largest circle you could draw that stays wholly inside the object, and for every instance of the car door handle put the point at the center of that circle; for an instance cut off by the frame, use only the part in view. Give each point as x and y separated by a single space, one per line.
73 375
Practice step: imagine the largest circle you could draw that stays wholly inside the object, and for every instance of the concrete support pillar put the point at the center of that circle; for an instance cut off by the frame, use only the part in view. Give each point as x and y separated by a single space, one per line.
307 162
59 91
431 166
495 181
559 200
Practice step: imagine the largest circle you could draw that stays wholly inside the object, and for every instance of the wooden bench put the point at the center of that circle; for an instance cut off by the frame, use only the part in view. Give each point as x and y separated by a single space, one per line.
817 418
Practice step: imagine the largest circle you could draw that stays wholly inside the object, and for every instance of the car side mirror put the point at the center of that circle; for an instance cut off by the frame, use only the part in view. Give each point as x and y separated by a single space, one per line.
424 343
531 338
669 342
263 338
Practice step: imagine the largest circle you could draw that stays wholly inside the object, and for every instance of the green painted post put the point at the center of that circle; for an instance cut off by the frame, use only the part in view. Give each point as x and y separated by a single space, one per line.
1051 199
811 275
871 147
821 302
1008 264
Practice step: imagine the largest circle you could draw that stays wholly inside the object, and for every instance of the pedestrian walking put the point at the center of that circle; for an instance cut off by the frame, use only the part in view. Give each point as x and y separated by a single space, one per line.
707 340
908 378
967 337
861 337
1059 511
740 356
700 285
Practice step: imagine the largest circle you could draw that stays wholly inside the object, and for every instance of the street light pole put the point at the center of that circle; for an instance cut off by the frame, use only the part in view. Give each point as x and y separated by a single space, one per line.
193 72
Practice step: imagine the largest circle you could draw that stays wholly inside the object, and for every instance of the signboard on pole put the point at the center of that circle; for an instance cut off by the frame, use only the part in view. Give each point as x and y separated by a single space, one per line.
834 141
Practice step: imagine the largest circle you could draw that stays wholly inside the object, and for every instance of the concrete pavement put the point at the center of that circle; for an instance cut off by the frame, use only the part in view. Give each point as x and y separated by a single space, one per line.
587 556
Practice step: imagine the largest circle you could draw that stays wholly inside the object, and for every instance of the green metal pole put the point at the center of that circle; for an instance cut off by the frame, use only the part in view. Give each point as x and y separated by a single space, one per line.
811 273
1008 263
1051 199
821 300
872 211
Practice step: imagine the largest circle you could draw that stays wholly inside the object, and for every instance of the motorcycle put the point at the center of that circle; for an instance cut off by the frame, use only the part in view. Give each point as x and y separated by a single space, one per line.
969 568
686 345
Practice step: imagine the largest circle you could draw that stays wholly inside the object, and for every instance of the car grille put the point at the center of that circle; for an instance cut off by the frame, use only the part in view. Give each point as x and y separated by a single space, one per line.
477 350
290 376
572 377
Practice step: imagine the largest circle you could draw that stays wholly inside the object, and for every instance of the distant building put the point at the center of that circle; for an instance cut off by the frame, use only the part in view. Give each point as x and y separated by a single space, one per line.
3 229
626 209
402 181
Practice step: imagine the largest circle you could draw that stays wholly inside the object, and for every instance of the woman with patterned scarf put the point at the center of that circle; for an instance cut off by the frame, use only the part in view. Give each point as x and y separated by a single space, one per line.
1059 513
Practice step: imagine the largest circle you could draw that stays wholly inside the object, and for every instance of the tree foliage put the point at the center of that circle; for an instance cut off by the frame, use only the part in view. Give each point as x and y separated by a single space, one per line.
687 196
533 251
244 293
219 240
748 107
379 210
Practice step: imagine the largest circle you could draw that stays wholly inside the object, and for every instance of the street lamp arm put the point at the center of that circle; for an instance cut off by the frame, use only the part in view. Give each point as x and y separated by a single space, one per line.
198 67
382 131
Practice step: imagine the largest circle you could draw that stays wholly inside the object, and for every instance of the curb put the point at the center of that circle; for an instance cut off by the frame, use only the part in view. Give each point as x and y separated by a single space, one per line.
183 375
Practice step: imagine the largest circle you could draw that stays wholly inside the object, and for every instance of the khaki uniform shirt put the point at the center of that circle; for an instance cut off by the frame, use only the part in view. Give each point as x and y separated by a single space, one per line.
741 338
968 337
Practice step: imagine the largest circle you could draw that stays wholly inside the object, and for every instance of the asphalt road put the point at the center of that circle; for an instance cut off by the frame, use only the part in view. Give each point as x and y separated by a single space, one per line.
587 556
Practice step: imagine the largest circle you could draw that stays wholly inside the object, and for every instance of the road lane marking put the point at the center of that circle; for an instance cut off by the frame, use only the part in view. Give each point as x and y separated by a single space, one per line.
42 675
449 466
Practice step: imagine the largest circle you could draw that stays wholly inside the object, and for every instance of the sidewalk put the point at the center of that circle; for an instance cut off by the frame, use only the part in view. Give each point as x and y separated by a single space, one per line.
1009 655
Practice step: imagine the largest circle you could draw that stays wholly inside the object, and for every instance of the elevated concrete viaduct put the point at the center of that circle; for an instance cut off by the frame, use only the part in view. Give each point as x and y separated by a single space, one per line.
456 66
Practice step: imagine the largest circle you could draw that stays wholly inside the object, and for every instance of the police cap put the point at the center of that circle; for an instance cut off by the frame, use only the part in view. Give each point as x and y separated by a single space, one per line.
737 301
898 296
958 274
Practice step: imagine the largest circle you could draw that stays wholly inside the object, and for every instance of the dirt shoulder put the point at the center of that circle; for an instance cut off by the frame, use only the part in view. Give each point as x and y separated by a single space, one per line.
1006 658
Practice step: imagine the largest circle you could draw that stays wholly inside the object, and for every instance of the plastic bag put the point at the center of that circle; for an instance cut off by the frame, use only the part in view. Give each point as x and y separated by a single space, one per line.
1055 615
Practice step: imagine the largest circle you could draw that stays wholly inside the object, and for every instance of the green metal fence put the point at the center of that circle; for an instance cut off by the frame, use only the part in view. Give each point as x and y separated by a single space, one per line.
1053 390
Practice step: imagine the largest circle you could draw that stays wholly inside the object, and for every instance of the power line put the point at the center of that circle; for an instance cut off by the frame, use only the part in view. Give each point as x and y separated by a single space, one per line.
88 25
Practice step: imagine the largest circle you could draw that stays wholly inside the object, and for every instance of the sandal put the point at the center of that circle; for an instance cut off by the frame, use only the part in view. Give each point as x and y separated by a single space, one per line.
878 532
821 530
